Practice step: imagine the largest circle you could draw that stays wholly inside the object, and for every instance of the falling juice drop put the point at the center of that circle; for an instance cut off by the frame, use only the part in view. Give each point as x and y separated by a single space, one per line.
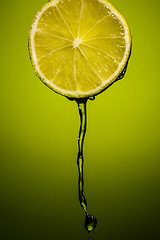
90 222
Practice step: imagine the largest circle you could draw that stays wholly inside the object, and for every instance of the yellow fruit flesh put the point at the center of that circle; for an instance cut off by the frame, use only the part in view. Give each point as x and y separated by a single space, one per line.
80 46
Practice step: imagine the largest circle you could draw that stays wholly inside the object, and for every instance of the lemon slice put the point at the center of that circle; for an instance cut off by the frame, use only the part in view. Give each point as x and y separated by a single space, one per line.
79 47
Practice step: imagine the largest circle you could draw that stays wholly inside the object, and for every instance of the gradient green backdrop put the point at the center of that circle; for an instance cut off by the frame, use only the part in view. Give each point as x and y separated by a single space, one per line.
38 140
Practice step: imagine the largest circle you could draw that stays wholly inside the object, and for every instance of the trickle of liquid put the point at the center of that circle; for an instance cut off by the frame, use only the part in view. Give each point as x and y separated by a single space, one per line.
90 221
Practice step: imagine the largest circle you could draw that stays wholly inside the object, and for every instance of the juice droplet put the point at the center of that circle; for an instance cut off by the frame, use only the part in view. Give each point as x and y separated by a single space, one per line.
90 223
92 98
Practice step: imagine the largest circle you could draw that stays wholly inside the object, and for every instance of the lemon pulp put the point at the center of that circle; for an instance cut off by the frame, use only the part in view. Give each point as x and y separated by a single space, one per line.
79 47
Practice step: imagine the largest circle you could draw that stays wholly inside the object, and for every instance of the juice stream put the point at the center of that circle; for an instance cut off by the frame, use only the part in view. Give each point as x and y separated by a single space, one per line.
90 221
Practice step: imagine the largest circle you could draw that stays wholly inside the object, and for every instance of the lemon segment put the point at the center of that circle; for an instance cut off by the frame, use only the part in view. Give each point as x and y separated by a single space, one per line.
86 77
66 71
79 47
70 12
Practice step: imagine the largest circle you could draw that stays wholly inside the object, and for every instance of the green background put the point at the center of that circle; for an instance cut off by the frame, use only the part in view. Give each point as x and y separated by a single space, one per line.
38 140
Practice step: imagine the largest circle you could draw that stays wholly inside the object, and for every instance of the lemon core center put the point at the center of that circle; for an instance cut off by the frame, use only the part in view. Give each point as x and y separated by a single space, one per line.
76 42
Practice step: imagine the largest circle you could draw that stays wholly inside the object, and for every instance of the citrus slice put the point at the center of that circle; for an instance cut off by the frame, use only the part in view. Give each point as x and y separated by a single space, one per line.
79 47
